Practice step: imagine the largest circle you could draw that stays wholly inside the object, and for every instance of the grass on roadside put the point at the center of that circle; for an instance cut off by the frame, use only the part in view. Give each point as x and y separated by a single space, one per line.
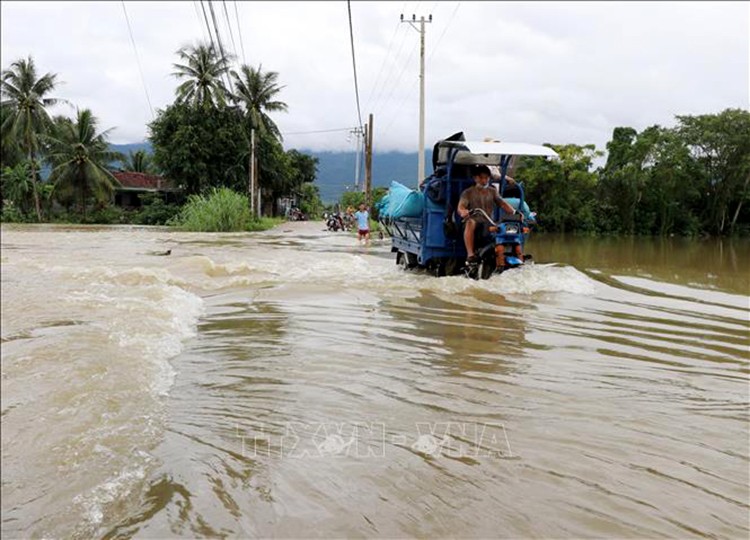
222 210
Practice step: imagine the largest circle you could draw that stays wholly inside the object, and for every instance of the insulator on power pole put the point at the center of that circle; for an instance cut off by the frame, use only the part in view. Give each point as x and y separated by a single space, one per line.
413 17
430 17
402 17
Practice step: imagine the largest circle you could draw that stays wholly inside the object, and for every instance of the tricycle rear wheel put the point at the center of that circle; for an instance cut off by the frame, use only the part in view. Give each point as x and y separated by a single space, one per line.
406 260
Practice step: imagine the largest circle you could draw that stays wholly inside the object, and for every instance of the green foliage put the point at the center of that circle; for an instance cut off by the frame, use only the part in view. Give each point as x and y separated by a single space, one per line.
201 149
202 68
12 214
309 201
352 198
79 155
256 91
276 173
223 210
305 167
355 198
562 191
154 211
688 180
720 144
107 215
11 153
139 161
264 223
25 118
17 187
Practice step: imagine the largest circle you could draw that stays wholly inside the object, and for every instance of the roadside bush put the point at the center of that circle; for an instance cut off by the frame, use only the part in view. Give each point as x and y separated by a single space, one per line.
12 214
155 211
264 223
108 215
223 210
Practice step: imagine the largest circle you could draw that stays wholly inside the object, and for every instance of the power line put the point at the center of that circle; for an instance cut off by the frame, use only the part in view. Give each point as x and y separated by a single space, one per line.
376 103
229 25
398 79
137 60
198 14
221 47
450 20
401 104
318 131
377 79
354 63
407 95
239 31
208 26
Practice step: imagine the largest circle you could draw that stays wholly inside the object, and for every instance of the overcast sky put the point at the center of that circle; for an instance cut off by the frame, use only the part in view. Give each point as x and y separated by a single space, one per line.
559 72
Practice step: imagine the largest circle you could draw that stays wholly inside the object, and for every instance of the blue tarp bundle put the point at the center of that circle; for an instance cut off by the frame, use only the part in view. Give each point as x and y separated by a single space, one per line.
401 202
514 202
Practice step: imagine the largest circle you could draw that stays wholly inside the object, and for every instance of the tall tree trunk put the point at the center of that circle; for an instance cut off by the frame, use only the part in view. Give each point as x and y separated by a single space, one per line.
83 202
35 188
739 204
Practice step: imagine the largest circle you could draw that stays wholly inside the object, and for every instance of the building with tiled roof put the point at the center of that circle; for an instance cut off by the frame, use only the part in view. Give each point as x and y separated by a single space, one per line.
134 184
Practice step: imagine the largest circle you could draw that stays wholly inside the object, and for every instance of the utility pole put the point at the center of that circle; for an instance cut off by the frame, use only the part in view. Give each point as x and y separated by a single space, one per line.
357 133
422 21
251 184
368 162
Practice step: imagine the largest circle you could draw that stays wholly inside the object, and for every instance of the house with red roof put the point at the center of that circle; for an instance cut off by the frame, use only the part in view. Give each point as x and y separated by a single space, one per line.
135 184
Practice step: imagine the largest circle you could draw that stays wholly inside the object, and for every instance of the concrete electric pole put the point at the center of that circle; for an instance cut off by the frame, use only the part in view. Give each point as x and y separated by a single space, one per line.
357 132
422 21
368 163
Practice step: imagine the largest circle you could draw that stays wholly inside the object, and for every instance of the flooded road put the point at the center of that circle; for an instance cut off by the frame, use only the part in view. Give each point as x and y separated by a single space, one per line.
293 384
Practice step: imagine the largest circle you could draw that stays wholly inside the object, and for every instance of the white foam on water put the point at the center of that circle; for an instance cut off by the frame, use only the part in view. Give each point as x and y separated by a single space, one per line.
94 501
134 321
143 313
691 292
361 268
536 278
526 280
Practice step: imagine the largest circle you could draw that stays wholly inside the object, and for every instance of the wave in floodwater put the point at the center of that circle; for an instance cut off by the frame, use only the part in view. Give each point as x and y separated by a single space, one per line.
86 365
293 383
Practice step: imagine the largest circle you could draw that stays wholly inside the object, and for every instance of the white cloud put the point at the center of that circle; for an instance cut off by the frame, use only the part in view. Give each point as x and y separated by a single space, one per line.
533 71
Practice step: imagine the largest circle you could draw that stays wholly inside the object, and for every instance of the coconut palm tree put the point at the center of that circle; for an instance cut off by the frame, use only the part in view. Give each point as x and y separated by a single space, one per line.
12 154
16 186
255 91
25 101
79 156
138 161
202 68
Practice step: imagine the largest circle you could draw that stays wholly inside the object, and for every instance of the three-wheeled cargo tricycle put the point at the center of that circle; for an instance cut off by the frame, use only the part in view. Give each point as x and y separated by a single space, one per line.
434 240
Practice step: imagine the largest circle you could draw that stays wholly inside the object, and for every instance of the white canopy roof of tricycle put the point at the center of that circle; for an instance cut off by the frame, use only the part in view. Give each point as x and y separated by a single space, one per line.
489 153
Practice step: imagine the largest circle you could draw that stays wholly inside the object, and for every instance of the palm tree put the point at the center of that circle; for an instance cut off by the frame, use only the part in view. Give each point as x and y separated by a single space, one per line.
255 91
138 161
202 68
25 102
16 186
79 156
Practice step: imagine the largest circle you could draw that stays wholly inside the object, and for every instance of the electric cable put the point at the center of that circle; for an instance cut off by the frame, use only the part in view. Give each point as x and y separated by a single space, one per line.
230 88
450 20
239 31
137 59
317 131
354 62
380 71
229 25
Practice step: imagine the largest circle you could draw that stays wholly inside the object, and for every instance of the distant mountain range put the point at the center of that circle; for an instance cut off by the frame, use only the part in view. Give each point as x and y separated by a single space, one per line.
336 170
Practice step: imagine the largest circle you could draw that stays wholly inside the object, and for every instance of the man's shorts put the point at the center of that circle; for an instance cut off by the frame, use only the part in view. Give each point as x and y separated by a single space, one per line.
363 232
481 230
